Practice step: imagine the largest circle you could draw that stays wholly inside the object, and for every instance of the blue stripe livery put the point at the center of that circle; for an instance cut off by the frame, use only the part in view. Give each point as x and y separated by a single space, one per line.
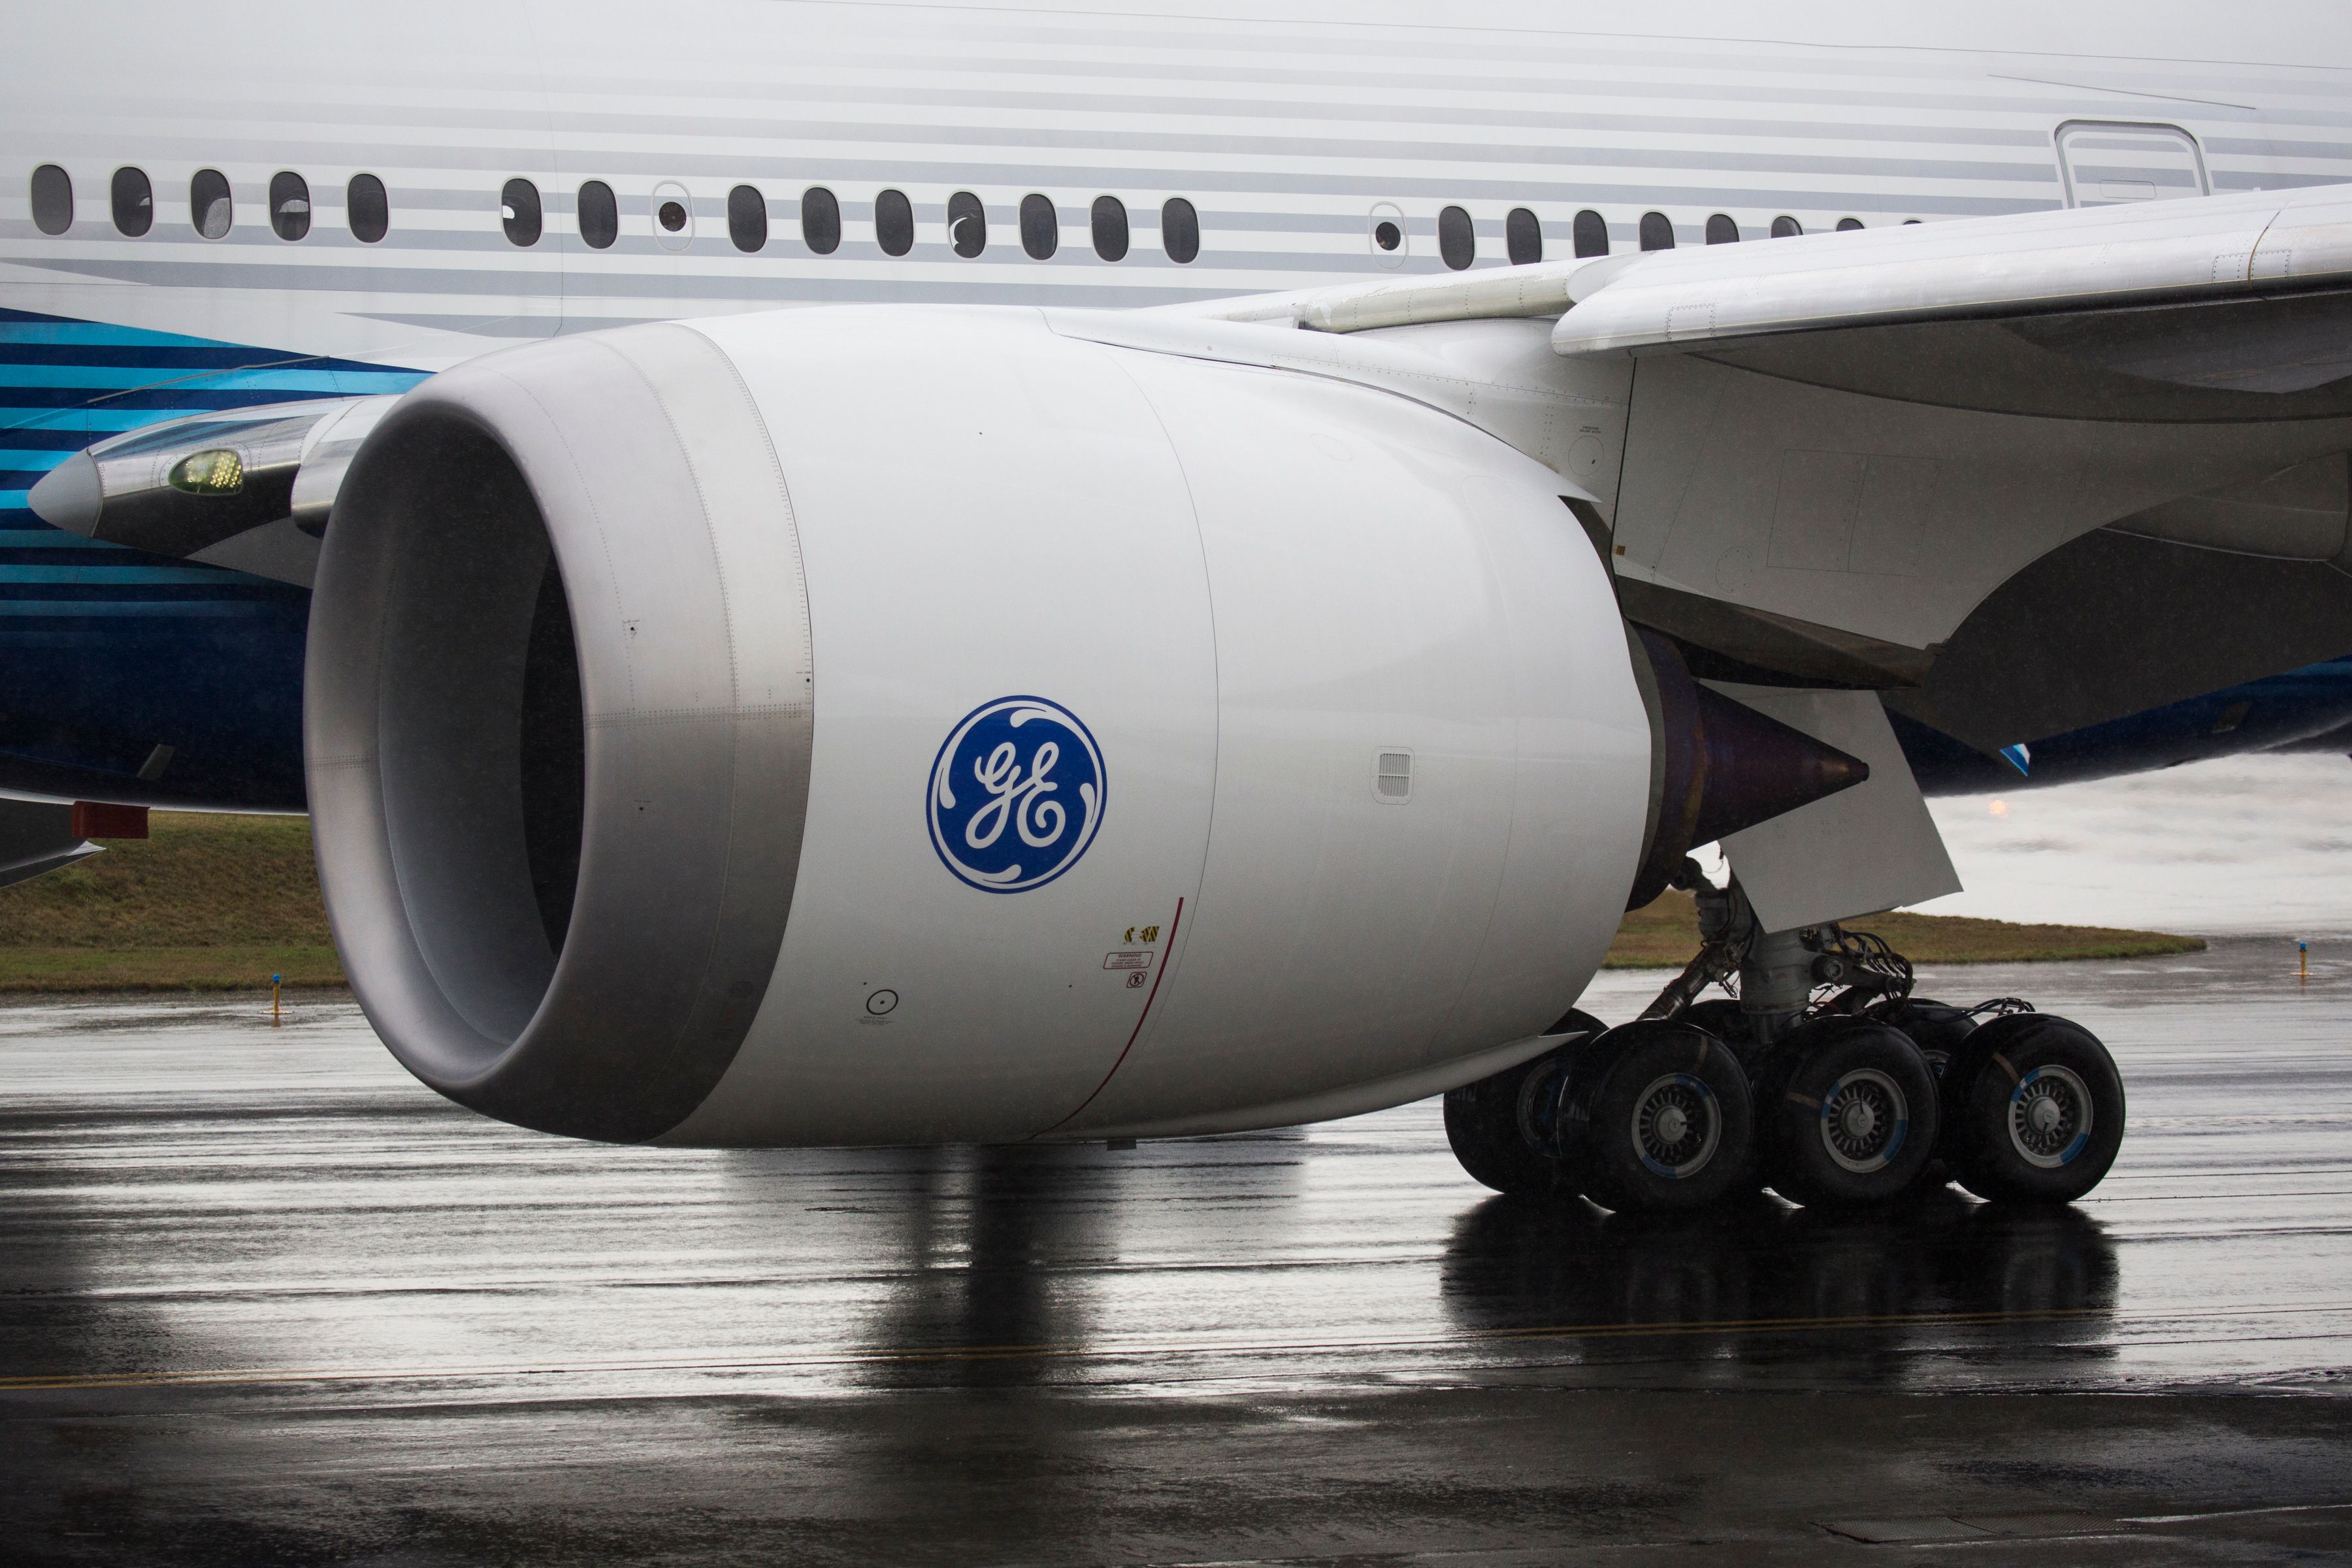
106 653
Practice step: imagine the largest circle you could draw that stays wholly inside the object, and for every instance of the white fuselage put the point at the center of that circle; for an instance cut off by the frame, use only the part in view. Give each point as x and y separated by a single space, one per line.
1292 136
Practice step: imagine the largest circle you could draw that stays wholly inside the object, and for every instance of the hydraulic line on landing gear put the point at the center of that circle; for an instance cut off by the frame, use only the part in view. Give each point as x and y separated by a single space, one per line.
1781 979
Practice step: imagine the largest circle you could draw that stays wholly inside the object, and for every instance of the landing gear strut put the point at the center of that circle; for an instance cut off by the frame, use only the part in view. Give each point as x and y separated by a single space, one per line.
1825 1080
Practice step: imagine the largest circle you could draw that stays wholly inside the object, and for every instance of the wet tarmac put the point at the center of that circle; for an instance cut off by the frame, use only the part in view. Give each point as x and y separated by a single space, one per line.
263 1299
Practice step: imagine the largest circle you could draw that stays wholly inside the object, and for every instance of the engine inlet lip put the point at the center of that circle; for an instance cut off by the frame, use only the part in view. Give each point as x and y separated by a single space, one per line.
658 492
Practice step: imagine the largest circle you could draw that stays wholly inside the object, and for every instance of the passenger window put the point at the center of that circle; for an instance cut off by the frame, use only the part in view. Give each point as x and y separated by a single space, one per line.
1847 223
1786 229
368 209
52 199
820 220
1041 228
519 211
893 223
1457 243
1523 237
747 218
673 210
1721 230
967 223
210 208
1110 228
1657 232
289 204
1591 232
599 214
1180 229
134 202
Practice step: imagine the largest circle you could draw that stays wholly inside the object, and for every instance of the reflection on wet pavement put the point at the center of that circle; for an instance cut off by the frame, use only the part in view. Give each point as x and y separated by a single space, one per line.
265 1232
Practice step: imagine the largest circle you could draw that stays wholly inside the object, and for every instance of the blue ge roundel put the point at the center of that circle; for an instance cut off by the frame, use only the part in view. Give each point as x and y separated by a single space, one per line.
1016 794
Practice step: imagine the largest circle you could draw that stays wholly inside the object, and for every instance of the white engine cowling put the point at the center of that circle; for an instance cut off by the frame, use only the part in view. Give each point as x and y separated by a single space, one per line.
933 728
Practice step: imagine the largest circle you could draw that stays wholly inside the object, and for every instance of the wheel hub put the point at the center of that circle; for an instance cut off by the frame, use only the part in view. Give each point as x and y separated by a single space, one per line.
1863 1119
1676 1125
2049 1117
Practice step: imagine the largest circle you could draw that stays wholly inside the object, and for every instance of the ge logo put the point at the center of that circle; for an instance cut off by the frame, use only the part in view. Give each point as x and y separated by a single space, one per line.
1016 794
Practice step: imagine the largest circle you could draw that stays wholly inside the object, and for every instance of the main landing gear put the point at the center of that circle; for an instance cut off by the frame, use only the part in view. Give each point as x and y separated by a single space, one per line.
1826 1080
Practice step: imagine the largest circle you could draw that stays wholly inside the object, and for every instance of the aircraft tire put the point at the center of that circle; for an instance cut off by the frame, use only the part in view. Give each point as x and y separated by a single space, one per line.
1503 1128
1851 1112
1658 1118
1941 1030
2040 1110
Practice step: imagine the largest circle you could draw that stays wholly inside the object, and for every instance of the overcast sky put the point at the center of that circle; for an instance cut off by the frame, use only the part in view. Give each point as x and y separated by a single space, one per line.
2249 844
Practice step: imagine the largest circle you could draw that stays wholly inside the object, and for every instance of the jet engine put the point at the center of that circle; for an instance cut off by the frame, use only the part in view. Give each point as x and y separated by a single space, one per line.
899 725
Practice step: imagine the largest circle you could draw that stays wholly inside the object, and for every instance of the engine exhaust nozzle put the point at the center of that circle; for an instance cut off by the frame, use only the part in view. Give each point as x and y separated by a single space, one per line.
1717 765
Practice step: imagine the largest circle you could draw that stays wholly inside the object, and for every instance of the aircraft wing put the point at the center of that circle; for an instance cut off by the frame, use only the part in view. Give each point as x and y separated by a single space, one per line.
2168 264
2241 248
2024 473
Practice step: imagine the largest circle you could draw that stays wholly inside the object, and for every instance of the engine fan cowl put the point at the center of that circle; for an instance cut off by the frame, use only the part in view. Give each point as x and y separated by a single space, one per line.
557 724
628 647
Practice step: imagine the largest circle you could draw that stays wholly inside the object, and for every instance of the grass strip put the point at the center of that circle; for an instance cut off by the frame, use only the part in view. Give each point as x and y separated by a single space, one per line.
209 903
1666 934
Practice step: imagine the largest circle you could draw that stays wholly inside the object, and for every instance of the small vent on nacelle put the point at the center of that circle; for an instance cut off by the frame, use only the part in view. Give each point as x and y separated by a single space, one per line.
1393 778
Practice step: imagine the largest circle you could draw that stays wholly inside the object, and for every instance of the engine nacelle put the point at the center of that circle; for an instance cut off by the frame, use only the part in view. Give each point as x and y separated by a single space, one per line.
896 725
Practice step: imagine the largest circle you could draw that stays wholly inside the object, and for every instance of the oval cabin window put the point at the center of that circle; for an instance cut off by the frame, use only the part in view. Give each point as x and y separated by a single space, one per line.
1041 228
967 223
211 209
1110 228
289 204
134 202
820 221
1657 232
893 223
368 209
52 199
1785 227
1457 242
518 212
599 214
1591 234
747 218
1180 229
1523 237
1722 230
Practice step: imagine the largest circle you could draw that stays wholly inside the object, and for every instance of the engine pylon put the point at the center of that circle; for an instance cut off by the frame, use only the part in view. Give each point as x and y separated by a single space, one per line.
1717 765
